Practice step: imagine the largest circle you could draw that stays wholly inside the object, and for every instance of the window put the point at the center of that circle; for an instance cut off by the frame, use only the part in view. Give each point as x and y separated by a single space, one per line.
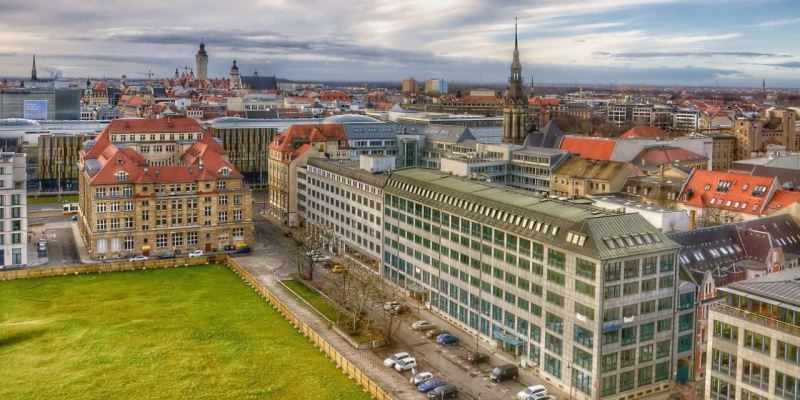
649 285
129 243
663 348
223 200
721 389
161 240
556 258
611 292
611 337
101 225
613 271
584 268
626 381
552 365
584 311
645 376
788 352
609 362
646 331
755 374
662 371
628 335
237 215
664 325
555 277
554 298
787 386
191 238
725 331
553 344
627 357
631 269
756 341
554 323
582 358
608 385
584 288
645 353
220 185
177 239
583 336
121 175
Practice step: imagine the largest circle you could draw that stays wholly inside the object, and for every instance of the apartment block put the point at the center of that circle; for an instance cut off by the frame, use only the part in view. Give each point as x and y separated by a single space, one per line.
753 339
13 211
583 296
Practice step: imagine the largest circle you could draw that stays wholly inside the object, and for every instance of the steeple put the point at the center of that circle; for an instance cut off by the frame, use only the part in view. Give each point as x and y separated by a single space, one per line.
516 66
517 121
33 69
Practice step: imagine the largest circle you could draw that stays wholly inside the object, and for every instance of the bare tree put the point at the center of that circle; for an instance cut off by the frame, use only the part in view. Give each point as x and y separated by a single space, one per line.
359 288
308 249
391 320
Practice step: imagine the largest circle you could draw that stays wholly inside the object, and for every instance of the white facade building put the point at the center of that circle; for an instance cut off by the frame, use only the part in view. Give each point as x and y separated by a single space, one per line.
13 211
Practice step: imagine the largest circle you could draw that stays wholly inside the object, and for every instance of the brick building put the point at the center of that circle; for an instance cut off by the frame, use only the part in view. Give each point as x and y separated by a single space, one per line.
160 186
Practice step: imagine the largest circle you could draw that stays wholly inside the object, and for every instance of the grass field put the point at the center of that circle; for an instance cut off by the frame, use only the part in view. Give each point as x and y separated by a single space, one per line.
195 332
313 298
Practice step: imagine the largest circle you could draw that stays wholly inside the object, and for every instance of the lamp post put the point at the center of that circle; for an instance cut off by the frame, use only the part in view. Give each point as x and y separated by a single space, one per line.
571 379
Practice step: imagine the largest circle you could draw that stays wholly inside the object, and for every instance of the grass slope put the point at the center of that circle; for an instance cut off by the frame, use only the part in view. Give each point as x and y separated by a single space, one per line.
313 298
194 332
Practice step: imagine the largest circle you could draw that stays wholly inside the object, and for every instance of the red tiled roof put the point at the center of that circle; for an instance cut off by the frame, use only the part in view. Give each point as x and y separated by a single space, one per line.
589 147
733 191
545 101
663 155
296 135
782 199
644 131
202 161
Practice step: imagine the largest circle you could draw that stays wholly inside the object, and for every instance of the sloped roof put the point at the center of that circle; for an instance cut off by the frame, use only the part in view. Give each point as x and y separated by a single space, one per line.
663 155
549 137
296 135
782 286
158 125
259 82
782 199
644 131
731 191
589 147
580 167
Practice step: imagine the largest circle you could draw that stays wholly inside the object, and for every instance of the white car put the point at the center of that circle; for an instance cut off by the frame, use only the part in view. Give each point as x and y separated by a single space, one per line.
530 392
421 377
196 253
391 360
422 326
138 258
405 364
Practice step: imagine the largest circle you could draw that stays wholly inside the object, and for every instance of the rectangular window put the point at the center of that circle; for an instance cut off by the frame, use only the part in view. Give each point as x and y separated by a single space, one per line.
555 298
556 258
585 269
584 288
755 374
613 271
725 331
756 341
646 331
555 277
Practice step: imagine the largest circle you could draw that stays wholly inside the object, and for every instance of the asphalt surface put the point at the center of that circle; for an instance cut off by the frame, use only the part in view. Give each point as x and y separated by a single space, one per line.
447 362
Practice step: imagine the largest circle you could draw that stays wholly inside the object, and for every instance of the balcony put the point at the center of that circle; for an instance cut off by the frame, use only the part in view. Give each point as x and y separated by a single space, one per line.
757 318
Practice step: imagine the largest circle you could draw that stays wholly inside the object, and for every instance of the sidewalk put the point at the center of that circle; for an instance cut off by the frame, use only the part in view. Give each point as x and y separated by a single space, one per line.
263 267
34 234
83 254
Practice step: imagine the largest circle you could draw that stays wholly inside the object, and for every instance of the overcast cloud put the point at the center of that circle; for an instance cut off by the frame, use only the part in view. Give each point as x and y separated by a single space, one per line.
733 42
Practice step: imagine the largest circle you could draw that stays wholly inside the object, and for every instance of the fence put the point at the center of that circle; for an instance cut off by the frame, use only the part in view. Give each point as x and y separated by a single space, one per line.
353 371
77 269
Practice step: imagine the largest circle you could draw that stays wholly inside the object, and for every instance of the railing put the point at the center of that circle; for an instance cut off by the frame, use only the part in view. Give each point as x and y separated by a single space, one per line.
353 371
757 318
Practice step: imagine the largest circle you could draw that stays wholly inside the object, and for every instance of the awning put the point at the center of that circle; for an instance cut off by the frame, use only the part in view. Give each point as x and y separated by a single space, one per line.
506 338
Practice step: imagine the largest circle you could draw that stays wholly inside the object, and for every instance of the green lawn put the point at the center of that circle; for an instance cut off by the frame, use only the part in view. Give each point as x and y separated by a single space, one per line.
313 298
47 199
195 332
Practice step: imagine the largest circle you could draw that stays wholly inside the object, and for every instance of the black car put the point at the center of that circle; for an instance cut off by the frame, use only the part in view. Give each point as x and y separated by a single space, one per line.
165 255
448 391
504 373
477 358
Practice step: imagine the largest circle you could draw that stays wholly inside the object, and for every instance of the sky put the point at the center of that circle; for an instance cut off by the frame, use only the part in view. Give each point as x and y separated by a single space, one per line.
659 42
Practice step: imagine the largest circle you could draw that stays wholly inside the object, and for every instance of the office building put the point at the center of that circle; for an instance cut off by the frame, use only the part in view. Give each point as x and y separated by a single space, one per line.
753 339
159 186
345 197
435 87
246 142
41 103
13 211
771 127
585 295
578 177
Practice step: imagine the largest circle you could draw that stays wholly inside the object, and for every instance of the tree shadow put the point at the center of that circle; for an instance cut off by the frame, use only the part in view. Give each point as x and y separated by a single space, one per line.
19 337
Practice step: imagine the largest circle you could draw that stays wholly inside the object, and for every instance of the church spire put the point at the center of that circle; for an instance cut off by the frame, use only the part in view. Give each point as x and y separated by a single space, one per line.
33 69
516 66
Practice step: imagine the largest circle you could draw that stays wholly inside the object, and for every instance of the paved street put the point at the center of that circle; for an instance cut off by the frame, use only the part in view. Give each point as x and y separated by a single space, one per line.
448 362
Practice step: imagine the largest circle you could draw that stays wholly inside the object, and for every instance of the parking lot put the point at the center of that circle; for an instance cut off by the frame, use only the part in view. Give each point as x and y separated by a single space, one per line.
449 362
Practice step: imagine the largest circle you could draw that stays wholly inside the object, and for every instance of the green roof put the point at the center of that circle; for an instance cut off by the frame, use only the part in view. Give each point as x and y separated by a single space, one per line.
597 224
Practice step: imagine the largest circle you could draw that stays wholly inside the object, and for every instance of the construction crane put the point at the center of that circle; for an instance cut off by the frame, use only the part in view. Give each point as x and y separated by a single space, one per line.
149 74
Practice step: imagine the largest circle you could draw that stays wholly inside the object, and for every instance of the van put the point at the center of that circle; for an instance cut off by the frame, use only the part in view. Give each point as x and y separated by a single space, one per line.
504 373
338 268
443 392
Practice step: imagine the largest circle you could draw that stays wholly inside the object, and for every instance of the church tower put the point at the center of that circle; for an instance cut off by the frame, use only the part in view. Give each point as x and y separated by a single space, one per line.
202 62
33 70
236 80
517 120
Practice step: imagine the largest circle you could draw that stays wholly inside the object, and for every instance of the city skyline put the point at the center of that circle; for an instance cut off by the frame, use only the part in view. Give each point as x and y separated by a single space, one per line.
622 41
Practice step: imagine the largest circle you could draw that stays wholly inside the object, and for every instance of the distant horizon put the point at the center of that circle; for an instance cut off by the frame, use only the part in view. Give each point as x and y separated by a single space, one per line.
654 42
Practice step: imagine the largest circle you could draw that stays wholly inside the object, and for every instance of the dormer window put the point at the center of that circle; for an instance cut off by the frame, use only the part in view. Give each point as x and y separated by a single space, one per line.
121 175
225 171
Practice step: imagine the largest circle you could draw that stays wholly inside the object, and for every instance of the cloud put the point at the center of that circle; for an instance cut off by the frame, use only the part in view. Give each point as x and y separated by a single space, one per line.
634 55
778 22
789 64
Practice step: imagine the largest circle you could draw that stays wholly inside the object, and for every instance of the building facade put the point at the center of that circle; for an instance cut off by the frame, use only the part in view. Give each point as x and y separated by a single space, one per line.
754 340
247 143
160 186
772 127
585 296
347 201
13 211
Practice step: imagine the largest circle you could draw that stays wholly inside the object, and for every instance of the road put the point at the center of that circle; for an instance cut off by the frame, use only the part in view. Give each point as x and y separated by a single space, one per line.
447 362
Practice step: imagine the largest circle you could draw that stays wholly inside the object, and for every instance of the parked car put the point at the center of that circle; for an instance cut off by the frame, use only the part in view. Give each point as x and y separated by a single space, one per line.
313 253
443 392
338 268
74 217
138 258
405 364
530 391
320 258
422 326
421 377
504 372
391 360
446 338
165 255
389 305
243 249
431 384
196 253
477 358
433 333
541 396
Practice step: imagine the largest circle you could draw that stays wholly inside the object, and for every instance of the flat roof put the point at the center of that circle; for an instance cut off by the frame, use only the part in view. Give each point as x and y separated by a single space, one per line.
782 286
